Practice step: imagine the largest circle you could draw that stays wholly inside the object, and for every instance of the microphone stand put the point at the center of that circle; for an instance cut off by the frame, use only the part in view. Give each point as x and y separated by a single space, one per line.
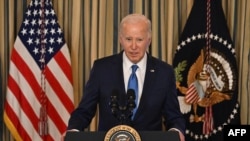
123 112
131 105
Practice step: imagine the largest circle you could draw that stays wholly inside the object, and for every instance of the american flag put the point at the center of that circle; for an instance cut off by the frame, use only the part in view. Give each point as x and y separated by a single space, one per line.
39 96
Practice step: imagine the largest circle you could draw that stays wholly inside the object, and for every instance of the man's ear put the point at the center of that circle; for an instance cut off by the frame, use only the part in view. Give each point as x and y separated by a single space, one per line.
149 41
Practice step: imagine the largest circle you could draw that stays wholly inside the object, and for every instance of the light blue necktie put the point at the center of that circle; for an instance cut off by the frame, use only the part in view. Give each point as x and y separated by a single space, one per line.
133 84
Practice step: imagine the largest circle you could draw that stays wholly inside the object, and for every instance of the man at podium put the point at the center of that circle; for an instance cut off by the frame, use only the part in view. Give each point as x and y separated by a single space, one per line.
153 99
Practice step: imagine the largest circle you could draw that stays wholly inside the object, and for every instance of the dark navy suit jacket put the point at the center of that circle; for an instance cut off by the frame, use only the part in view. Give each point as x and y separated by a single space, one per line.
158 104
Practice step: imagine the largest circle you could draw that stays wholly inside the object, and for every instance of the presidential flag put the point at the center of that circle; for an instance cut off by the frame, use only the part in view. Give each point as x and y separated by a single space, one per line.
206 73
39 96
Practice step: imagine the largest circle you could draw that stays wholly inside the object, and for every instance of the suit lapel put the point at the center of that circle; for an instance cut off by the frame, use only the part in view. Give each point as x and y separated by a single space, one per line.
117 68
148 83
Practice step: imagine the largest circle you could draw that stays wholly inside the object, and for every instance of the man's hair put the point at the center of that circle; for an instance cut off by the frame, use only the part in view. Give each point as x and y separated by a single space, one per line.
135 18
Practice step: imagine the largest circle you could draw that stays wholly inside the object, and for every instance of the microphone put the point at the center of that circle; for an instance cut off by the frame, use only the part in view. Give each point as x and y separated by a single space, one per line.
130 101
114 102
122 106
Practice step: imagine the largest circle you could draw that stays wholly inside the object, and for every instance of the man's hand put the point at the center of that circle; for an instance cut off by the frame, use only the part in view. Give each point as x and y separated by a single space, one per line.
182 137
64 134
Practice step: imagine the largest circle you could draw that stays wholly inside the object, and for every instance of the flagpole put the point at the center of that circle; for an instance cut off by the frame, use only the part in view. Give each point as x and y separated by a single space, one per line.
208 121
43 120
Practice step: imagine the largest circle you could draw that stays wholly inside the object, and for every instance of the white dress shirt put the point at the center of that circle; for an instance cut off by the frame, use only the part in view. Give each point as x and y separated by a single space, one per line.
140 73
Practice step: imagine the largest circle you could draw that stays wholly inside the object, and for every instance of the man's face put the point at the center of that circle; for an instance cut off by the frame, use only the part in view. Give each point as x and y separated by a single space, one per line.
135 39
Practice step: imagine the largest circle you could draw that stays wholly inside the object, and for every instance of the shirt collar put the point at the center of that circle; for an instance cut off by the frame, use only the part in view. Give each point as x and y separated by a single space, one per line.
141 64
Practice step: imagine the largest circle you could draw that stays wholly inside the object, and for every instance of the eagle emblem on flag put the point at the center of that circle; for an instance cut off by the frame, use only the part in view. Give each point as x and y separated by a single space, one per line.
206 73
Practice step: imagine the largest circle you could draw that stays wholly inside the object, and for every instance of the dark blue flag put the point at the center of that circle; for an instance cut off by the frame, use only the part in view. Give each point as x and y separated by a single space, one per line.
206 73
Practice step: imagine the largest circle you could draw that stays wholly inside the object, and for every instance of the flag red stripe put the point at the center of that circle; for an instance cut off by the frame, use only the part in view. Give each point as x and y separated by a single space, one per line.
48 138
24 104
59 91
15 121
56 118
26 72
66 67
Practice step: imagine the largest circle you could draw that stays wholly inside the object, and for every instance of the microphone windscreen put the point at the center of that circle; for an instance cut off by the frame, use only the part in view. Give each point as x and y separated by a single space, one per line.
131 94
115 94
